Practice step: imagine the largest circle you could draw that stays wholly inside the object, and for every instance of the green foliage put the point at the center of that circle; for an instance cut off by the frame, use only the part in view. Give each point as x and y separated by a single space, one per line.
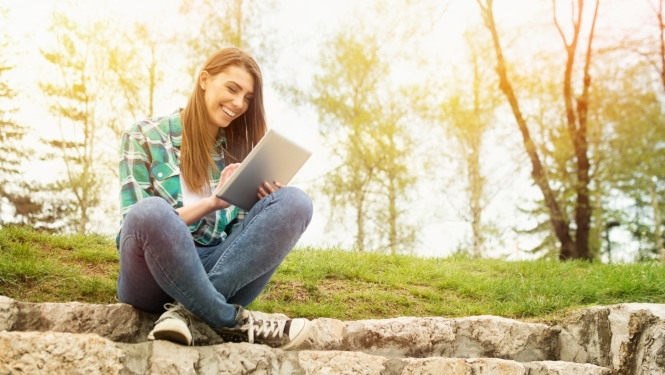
367 123
84 96
14 194
636 151
224 23
467 112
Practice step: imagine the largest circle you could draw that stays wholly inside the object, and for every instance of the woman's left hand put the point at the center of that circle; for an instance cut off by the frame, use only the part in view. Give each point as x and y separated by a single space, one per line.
267 189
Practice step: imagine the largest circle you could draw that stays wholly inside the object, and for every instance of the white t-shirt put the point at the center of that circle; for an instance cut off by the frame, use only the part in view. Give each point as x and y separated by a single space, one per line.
189 197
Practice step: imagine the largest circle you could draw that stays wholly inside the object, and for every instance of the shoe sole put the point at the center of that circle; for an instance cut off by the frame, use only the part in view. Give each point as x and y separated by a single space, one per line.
172 336
298 339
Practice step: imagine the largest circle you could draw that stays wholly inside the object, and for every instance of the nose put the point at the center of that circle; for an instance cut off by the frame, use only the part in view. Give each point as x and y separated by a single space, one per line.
237 101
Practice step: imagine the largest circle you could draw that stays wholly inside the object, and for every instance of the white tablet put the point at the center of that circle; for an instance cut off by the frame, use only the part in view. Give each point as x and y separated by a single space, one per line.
275 158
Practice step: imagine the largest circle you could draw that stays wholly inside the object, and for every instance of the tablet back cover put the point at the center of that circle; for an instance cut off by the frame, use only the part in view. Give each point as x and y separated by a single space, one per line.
275 158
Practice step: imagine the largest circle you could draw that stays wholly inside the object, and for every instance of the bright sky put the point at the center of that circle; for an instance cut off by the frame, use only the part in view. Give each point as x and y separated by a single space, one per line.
302 26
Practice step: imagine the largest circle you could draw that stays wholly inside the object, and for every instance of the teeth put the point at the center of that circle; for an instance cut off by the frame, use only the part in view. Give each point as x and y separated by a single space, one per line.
228 111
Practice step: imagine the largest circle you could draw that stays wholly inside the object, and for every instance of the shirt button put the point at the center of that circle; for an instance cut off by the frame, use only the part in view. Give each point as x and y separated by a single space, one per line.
159 174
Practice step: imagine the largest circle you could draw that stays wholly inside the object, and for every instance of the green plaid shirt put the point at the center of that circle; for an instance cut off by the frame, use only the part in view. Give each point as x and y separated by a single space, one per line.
150 166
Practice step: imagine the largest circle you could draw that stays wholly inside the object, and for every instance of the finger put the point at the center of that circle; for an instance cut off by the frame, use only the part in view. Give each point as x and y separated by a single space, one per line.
262 192
269 187
233 168
278 184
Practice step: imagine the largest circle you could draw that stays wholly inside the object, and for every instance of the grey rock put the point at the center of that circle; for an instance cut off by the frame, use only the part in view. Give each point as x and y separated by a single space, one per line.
172 359
618 337
495 337
137 358
8 313
58 353
400 337
564 368
246 358
117 322
340 362
462 366
77 338
326 334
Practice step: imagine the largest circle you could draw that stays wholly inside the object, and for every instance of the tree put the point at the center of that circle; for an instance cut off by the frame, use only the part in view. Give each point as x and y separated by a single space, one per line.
224 23
576 117
81 101
367 125
468 111
654 179
136 67
637 159
13 191
342 94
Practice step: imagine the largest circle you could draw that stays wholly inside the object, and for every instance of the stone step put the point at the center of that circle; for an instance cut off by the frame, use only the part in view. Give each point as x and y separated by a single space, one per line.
628 338
67 353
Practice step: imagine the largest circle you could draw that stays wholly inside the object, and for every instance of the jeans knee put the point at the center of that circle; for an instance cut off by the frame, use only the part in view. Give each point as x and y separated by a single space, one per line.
298 202
147 210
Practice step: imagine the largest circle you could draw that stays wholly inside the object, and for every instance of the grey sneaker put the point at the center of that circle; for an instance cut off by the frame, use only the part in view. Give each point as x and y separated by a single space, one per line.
173 325
281 334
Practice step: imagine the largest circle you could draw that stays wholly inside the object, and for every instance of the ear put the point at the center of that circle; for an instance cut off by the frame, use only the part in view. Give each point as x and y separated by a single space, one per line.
204 78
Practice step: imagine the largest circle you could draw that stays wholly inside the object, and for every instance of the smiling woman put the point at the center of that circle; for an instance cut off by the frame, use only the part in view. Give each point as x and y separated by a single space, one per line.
185 250
227 95
229 79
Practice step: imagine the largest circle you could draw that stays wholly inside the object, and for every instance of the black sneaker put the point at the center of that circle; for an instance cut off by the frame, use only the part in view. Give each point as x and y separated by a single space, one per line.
281 334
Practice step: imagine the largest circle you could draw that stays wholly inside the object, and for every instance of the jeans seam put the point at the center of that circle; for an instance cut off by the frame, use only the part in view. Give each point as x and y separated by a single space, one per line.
173 285
214 268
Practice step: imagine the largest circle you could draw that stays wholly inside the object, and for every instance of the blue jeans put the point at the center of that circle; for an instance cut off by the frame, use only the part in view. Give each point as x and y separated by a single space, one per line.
159 261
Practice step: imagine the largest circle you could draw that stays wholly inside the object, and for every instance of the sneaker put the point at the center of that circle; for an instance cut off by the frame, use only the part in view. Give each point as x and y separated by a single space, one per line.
173 325
281 334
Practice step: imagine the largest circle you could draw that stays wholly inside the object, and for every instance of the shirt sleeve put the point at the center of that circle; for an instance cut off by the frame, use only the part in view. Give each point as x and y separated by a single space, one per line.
134 170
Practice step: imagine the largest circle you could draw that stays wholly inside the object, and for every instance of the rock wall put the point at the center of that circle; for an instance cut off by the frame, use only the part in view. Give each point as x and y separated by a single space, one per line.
75 338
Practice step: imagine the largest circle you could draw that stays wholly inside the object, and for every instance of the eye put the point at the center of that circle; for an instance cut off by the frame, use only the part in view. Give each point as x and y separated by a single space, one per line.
248 99
231 89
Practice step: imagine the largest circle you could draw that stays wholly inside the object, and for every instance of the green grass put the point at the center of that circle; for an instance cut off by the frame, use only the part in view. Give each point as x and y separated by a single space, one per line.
344 285
41 267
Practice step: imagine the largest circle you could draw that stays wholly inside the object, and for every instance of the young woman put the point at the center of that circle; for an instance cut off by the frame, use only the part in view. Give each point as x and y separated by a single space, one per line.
185 250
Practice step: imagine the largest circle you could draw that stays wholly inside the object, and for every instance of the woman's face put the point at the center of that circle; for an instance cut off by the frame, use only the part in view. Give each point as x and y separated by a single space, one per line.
227 95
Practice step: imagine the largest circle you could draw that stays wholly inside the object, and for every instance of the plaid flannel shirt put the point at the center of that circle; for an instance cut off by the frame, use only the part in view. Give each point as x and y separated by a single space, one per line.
150 166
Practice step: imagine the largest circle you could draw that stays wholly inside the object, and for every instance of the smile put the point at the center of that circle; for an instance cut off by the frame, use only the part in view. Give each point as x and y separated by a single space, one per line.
228 111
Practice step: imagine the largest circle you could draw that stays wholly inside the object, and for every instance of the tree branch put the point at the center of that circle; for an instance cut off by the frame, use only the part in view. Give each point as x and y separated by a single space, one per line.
556 23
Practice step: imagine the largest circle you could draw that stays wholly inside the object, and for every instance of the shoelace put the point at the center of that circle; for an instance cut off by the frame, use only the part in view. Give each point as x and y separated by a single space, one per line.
175 308
263 328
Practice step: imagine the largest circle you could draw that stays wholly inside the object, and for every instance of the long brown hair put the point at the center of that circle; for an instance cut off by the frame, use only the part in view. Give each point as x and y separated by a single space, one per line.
242 134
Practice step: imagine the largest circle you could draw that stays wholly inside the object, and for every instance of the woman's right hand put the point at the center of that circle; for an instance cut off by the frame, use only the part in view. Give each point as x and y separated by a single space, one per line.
218 203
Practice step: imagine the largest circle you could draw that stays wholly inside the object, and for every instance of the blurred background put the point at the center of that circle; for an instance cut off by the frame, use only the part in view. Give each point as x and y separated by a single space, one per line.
516 129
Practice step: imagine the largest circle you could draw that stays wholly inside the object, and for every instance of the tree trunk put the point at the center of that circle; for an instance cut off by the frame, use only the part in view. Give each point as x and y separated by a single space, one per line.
476 206
656 221
561 227
475 178
661 25
392 218
360 222
577 133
